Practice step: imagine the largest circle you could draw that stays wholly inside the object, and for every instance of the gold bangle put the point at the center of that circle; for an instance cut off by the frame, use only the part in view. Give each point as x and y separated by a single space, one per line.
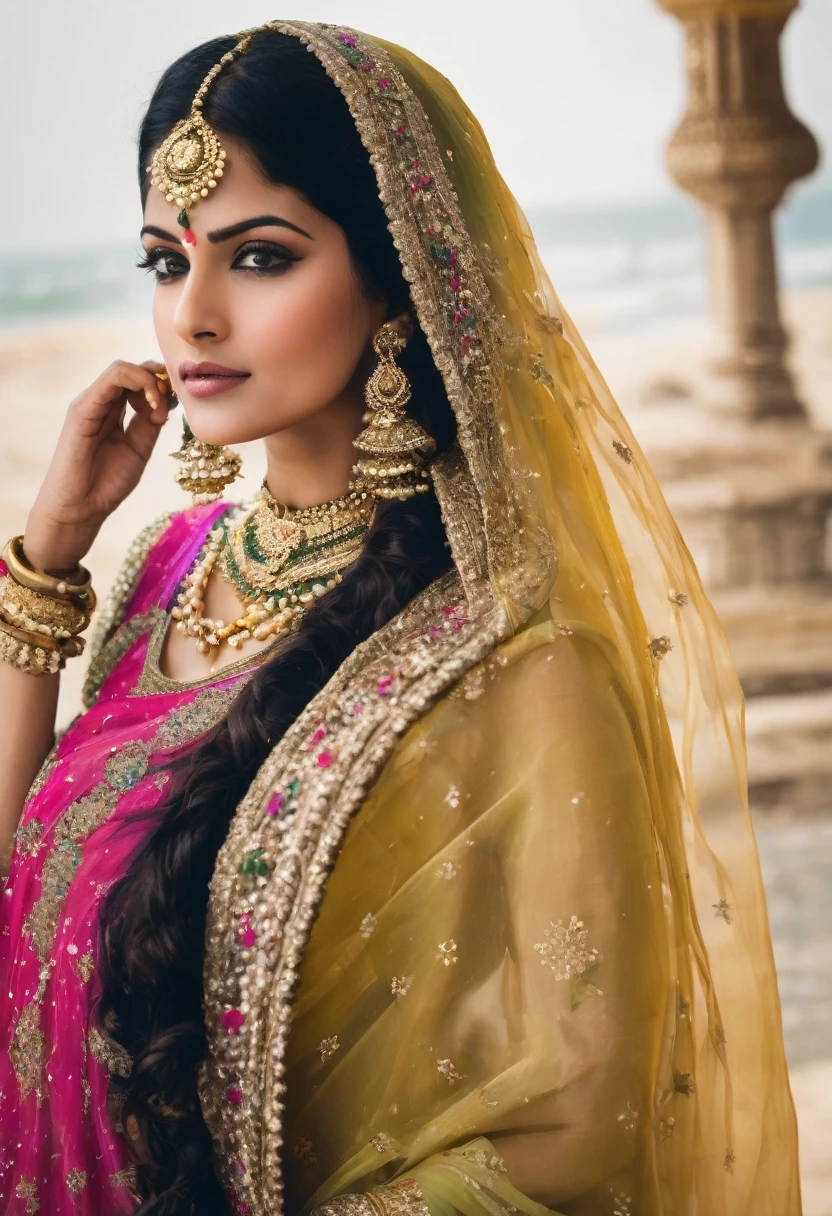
26 656
69 647
76 588
39 613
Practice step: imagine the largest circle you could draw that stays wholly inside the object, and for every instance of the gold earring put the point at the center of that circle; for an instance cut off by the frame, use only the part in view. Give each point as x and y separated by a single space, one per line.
206 469
396 445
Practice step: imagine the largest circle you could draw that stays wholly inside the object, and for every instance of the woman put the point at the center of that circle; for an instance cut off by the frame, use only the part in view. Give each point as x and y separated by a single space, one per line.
424 881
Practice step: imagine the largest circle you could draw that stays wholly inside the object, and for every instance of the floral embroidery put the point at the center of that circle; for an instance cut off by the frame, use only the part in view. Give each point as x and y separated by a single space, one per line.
678 598
566 953
382 1143
723 909
665 1129
659 647
368 925
729 1162
683 1083
447 952
76 1180
304 1152
447 870
328 1047
452 796
110 1054
27 1189
623 451
629 1119
85 966
447 1069
400 985
622 1204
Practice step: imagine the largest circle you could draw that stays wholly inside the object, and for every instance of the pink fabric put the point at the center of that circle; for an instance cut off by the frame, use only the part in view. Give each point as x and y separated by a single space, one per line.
58 1148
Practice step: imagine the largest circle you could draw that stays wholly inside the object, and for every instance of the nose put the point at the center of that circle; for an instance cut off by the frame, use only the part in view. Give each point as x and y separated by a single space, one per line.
200 311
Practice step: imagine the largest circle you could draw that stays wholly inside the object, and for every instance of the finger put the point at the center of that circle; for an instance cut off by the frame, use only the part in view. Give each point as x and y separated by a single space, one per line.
120 377
142 432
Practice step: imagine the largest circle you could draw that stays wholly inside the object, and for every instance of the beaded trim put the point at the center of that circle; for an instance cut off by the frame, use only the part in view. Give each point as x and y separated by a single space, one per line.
287 833
101 663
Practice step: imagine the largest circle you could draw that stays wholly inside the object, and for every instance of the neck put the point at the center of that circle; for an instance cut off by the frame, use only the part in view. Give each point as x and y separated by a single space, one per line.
311 462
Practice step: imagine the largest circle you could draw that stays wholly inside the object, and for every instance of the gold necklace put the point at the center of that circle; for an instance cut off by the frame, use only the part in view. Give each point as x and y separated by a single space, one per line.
278 560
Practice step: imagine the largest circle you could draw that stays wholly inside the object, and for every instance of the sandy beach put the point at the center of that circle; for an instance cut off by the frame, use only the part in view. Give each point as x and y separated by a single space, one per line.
43 368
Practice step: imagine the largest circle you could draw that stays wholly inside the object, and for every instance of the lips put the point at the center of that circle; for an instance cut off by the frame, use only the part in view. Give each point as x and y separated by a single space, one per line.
191 370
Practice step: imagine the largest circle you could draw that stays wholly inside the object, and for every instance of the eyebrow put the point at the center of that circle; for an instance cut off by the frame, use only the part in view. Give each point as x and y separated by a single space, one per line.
225 234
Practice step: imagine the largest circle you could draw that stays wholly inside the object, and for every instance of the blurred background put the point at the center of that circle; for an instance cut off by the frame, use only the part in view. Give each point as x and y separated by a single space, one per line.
669 155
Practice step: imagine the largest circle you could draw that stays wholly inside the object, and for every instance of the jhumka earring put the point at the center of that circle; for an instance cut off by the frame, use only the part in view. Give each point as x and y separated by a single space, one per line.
206 469
397 446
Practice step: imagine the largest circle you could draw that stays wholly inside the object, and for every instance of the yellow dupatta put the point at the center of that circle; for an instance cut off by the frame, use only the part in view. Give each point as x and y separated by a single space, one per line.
510 949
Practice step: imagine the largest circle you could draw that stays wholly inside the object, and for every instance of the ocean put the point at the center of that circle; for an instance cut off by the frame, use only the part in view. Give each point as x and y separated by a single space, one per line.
617 269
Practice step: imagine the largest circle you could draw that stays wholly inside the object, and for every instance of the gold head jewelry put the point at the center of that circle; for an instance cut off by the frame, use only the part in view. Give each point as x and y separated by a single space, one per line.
206 468
396 445
190 160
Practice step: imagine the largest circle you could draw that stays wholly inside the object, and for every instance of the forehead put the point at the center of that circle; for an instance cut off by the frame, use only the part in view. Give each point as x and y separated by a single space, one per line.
242 191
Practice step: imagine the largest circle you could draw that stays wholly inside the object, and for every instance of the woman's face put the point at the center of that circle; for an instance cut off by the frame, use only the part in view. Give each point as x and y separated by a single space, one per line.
279 301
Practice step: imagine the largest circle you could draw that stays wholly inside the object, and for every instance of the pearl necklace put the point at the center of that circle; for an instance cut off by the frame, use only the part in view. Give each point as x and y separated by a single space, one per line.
279 564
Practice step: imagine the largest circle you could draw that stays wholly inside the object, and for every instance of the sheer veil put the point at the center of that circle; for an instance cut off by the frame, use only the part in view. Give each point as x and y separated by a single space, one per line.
563 545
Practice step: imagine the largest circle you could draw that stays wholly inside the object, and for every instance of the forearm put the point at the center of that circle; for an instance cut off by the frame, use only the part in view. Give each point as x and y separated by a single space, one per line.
29 705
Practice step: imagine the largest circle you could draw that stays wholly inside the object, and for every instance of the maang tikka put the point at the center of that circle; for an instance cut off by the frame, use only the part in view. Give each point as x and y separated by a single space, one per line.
397 446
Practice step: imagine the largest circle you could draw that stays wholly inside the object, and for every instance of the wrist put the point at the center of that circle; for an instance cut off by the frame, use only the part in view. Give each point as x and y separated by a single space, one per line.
50 551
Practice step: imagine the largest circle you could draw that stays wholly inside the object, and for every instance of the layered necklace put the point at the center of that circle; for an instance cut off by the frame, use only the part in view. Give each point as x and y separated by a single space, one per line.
278 560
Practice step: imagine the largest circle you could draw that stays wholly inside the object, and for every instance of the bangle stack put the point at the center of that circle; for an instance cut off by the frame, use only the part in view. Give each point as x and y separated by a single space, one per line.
41 615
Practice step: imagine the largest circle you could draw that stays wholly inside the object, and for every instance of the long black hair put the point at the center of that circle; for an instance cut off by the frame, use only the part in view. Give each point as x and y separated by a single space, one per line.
277 100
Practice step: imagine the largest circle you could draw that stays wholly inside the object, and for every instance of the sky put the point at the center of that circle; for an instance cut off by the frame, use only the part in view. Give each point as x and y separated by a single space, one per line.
577 100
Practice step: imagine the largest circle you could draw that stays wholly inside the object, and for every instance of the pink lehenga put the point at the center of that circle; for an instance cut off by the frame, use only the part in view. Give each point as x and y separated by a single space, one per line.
59 1151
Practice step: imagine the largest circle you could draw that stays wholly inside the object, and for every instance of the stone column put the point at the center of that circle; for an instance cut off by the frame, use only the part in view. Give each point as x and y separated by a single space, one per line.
736 151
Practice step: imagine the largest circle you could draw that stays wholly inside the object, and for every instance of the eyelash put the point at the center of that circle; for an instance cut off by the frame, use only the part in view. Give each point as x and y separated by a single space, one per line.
151 259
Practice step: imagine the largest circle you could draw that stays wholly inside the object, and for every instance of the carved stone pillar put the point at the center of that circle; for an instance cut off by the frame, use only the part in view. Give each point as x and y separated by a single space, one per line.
736 150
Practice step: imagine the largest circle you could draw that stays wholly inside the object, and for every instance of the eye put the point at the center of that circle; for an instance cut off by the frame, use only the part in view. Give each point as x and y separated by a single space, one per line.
264 258
154 259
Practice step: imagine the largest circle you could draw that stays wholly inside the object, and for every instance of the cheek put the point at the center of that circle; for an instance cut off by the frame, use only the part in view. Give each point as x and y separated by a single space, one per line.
313 332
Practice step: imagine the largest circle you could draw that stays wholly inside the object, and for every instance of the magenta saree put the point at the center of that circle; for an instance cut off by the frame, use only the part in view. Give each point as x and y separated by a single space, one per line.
59 1149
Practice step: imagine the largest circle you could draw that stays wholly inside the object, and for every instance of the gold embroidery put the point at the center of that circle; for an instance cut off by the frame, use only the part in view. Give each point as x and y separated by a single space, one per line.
77 821
400 985
678 598
110 1055
683 1083
623 451
448 1070
368 925
124 1177
328 1047
659 647
622 1204
27 1189
565 950
723 909
382 1143
403 1197
447 952
729 1162
26 835
76 1180
629 1119
85 966
105 651
26 1048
